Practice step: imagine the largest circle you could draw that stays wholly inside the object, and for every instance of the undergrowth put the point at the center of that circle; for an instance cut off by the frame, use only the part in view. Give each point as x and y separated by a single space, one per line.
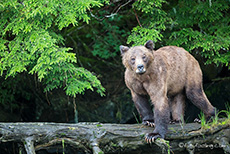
215 121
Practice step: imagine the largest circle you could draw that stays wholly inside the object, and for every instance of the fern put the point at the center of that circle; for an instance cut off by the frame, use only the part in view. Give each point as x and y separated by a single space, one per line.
201 27
153 21
29 42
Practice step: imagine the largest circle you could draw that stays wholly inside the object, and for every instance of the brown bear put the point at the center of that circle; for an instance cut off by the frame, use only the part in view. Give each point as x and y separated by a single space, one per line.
166 76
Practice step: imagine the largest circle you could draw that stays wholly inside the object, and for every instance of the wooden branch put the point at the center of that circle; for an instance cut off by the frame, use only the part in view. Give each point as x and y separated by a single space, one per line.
114 138
29 145
137 17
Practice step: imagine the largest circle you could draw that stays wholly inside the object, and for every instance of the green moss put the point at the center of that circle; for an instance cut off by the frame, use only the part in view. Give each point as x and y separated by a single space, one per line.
63 134
166 143
114 145
99 125
172 129
142 135
71 128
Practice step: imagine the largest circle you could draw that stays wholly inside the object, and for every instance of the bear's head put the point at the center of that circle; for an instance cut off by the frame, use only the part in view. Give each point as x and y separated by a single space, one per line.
137 58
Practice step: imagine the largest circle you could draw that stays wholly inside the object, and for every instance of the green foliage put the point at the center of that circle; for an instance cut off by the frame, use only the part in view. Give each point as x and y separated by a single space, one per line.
215 121
30 43
8 93
107 35
202 119
63 146
227 111
201 27
153 21
136 118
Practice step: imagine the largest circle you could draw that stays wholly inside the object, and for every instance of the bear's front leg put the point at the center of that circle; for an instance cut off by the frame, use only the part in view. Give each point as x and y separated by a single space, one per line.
161 119
144 109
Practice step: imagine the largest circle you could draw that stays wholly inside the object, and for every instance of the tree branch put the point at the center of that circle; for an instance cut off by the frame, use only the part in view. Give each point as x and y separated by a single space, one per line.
112 14
29 145
137 18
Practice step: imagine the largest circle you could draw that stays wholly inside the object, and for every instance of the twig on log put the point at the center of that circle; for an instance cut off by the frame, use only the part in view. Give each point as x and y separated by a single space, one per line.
163 144
95 148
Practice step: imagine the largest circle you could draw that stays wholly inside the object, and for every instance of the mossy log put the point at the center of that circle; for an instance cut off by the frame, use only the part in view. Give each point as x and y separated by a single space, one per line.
113 138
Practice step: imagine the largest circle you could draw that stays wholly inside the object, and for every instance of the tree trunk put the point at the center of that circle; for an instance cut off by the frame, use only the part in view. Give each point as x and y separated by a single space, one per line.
113 138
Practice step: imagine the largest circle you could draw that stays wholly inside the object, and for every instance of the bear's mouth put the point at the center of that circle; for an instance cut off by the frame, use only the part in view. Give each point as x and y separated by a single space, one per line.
142 71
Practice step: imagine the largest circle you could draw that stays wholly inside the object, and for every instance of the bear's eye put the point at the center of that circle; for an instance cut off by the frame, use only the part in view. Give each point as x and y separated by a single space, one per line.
144 57
132 60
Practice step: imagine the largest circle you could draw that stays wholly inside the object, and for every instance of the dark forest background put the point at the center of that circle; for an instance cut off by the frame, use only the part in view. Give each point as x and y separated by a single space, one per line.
60 60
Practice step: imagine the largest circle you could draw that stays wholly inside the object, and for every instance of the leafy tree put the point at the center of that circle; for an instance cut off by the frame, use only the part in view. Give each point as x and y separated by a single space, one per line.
203 26
198 26
153 20
108 37
30 42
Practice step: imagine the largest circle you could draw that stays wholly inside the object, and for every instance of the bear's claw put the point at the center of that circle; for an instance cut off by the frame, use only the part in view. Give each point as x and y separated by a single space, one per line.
197 121
149 123
175 121
151 137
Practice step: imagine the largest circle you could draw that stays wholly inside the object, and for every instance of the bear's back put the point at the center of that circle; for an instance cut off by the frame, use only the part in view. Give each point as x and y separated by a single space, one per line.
175 57
180 66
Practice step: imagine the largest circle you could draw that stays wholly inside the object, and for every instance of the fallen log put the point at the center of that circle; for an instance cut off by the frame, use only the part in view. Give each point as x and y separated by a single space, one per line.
113 138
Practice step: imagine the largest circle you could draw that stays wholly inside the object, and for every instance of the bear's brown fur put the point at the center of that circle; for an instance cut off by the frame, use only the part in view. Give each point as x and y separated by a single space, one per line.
166 76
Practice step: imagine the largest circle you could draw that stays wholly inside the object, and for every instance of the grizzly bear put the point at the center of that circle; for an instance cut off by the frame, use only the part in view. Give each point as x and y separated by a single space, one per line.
166 76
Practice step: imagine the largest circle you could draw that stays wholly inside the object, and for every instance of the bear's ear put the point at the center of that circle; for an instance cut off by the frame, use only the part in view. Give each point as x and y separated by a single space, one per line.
149 45
123 49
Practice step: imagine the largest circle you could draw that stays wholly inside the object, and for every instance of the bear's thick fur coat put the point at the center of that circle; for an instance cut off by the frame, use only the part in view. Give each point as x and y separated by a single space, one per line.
166 75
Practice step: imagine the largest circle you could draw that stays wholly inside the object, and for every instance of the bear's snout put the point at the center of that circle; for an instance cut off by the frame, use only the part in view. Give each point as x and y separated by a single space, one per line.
140 69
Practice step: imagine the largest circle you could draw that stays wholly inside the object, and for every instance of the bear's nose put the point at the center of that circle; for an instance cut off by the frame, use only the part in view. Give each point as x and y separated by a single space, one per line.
140 67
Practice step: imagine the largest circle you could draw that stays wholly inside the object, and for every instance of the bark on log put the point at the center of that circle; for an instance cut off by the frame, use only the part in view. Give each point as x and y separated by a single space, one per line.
114 138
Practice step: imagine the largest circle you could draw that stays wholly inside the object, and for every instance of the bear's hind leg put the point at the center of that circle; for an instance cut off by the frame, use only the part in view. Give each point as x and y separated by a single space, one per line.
144 109
194 89
197 96
177 104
